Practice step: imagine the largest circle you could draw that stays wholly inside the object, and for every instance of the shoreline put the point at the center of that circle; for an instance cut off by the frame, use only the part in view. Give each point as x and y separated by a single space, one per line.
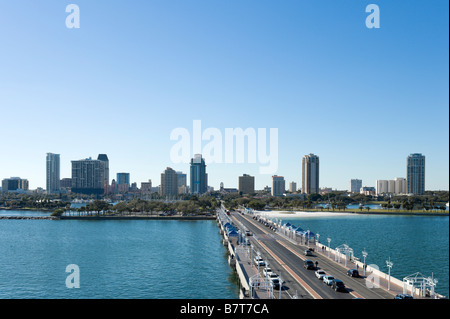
281 213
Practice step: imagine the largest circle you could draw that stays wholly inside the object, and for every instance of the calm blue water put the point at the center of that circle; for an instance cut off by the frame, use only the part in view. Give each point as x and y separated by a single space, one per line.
117 259
414 243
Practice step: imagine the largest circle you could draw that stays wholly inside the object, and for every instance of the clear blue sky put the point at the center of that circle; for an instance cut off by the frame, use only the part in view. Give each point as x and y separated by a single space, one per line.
362 99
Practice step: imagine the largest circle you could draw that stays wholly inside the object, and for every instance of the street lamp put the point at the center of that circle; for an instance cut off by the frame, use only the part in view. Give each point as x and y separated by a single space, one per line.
390 264
329 250
365 254
318 236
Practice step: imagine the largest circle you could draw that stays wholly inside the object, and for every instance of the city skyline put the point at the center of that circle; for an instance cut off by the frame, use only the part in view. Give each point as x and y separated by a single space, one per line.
313 70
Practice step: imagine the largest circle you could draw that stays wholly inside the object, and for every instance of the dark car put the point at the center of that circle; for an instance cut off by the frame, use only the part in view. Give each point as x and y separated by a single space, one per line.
309 264
403 296
338 285
353 273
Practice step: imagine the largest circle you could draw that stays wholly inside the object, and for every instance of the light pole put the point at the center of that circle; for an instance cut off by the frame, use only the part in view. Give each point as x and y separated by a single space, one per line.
390 264
307 234
318 236
365 254
329 250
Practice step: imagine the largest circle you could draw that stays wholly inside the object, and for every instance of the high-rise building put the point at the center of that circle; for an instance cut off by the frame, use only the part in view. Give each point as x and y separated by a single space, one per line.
246 184
397 186
355 185
278 186
123 178
146 187
401 187
53 171
88 176
169 183
292 187
415 174
199 178
310 174
104 158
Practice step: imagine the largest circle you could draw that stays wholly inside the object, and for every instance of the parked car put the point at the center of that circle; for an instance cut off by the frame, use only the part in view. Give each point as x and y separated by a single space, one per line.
309 264
338 285
328 279
320 274
275 282
403 296
308 252
353 273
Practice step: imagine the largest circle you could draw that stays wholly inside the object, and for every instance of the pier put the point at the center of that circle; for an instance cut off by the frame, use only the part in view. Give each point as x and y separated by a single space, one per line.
283 249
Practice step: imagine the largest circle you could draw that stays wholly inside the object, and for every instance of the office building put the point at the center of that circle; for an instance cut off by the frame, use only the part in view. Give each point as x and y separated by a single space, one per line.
169 183
146 187
310 174
355 185
292 187
14 184
105 160
88 176
124 180
199 178
415 174
53 173
246 184
278 186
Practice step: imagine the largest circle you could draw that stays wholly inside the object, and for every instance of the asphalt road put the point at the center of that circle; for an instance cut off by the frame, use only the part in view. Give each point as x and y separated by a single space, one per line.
290 257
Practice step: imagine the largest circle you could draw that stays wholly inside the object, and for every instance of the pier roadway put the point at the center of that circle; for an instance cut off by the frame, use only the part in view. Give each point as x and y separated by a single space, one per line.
291 258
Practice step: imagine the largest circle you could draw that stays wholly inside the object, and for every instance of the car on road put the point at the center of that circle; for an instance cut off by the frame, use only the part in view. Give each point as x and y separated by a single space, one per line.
328 279
320 274
308 252
259 261
403 296
309 264
353 273
267 271
275 282
338 285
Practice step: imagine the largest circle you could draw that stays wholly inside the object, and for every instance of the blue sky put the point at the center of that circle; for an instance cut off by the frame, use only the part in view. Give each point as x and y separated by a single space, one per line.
362 99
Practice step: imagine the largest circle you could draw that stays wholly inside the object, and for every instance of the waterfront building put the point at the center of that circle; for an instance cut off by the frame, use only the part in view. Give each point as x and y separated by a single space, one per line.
14 184
400 186
292 187
415 174
310 174
355 185
123 178
397 186
325 190
105 160
199 177
246 184
169 183
182 183
53 173
278 186
88 176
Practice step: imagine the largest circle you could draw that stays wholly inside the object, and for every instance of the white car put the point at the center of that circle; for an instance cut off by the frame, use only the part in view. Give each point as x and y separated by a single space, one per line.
267 271
259 261
328 280
320 274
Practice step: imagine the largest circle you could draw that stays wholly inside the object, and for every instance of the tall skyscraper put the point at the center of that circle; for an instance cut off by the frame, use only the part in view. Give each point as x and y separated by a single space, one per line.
199 178
310 174
88 176
123 178
169 183
53 173
292 187
355 185
104 158
278 185
247 184
415 174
